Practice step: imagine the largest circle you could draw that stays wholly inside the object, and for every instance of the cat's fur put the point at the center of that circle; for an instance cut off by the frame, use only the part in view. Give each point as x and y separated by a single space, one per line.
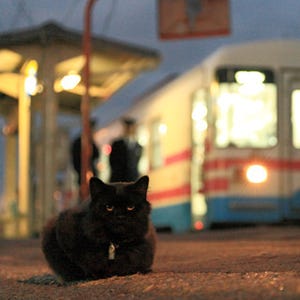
109 235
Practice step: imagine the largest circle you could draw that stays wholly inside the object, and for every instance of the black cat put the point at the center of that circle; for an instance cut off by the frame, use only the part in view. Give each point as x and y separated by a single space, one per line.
109 235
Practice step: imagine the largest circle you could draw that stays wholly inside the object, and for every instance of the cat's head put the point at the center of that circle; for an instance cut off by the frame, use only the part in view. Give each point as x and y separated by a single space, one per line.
121 207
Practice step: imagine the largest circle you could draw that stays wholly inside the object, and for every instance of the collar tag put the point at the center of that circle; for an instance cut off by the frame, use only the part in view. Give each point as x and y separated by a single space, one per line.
111 251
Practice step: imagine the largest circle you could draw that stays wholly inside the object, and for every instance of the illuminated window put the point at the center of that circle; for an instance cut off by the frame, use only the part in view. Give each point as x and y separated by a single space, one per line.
246 109
143 139
199 134
295 115
156 158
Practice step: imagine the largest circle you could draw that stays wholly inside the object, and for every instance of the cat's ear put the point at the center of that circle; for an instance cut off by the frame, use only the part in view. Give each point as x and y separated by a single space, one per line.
97 186
143 182
141 185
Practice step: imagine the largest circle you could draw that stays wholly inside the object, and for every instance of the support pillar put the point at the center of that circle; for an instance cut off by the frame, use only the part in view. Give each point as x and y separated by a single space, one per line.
24 205
10 229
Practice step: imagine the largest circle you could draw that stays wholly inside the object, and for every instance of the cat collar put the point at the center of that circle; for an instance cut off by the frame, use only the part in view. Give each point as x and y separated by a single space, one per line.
112 251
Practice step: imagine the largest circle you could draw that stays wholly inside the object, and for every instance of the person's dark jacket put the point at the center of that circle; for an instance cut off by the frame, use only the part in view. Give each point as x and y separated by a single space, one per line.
124 160
76 157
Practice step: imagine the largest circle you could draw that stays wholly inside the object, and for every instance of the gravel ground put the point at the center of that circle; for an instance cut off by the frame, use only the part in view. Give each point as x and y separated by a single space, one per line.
249 263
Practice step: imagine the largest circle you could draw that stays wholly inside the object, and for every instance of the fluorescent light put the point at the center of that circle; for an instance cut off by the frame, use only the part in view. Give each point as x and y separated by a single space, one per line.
70 81
249 77
31 85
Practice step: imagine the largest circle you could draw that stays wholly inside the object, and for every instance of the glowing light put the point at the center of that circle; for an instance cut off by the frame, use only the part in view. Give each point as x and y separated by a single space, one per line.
70 81
163 128
31 85
106 149
256 173
199 112
296 118
198 225
249 77
201 125
199 205
251 82
143 135
31 68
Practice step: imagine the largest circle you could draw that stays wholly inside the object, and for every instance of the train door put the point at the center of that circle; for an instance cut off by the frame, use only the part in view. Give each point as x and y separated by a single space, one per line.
290 137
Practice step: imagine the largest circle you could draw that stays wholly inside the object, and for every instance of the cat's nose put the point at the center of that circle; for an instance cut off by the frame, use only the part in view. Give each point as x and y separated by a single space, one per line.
120 217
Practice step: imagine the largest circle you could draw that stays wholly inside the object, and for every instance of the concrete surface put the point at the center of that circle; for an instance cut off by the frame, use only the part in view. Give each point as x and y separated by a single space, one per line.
247 263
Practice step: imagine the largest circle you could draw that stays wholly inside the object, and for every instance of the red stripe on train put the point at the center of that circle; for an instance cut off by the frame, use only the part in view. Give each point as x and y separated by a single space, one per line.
215 184
183 190
176 158
272 164
180 156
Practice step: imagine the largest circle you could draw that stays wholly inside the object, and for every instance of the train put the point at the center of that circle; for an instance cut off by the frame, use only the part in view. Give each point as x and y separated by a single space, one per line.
222 141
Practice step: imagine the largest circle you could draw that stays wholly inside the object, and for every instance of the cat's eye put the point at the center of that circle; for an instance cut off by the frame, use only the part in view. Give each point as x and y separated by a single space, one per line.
130 207
109 207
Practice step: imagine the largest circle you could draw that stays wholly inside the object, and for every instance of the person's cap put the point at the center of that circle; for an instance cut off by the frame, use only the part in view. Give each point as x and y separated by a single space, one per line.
129 121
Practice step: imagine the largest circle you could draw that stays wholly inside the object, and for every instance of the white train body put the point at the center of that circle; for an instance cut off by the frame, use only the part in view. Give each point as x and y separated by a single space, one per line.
202 131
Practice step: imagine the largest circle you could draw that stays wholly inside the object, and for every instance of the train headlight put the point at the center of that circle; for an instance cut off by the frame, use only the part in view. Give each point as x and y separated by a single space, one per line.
256 173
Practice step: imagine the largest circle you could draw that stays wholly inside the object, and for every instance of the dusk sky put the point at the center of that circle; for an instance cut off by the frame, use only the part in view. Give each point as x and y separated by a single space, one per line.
136 21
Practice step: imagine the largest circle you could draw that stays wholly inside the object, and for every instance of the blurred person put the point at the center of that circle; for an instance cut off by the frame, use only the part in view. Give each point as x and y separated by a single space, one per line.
76 154
125 154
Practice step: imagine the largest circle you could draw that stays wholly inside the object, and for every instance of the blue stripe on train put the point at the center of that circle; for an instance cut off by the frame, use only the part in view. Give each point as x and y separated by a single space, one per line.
253 209
243 209
177 217
230 210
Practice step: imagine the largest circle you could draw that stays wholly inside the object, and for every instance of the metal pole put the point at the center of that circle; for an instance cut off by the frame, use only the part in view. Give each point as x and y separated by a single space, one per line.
86 147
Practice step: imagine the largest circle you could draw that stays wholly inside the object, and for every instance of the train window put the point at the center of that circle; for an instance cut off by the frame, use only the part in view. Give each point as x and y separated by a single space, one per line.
199 132
143 139
246 109
156 158
296 118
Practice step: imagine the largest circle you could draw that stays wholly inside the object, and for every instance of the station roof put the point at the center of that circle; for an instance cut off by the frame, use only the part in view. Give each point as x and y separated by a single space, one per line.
113 64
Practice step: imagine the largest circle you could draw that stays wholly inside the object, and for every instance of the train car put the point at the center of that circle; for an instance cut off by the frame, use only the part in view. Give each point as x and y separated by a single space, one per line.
222 141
